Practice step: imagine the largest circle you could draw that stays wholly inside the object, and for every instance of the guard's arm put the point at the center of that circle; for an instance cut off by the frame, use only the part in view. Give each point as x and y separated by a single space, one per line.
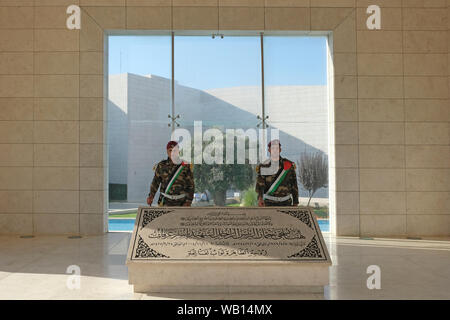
190 186
294 185
155 183
260 185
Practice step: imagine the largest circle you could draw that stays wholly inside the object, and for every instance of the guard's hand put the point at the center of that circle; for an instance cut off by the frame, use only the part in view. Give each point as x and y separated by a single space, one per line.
149 200
187 204
260 202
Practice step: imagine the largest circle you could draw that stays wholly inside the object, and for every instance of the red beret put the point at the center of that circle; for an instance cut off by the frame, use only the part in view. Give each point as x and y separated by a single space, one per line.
171 144
276 141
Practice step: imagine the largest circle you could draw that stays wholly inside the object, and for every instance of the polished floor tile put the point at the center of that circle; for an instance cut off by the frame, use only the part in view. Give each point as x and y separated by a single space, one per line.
37 268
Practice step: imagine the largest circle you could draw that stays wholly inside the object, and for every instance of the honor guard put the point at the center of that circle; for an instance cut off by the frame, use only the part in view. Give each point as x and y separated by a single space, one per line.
276 183
175 178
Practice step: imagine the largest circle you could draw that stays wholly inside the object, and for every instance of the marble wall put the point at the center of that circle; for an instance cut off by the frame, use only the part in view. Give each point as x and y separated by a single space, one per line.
391 112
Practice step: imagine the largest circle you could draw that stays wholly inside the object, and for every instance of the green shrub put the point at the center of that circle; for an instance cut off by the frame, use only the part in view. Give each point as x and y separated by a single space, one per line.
250 198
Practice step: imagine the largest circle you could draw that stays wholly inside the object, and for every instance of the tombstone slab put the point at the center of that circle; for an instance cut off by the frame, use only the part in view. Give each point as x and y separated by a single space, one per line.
227 249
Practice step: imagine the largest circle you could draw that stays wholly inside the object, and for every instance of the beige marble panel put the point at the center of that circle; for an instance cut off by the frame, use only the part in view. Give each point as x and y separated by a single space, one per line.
345 64
427 156
195 3
328 18
429 225
383 225
56 109
379 41
384 110
91 86
346 133
94 3
380 87
388 64
424 3
347 224
57 155
20 155
391 18
51 17
56 132
242 18
48 86
380 3
347 179
345 87
344 36
346 156
93 224
91 63
91 155
54 223
287 3
333 3
91 132
426 87
241 3
382 179
16 40
16 63
16 223
427 133
426 64
428 202
52 40
16 178
16 109
426 110
148 3
57 63
424 19
16 201
287 19
16 17
108 17
91 201
425 42
347 203
381 133
16 131
55 201
16 86
149 18
91 178
346 110
91 35
91 108
373 156
428 179
191 18
56 178
383 203
46 3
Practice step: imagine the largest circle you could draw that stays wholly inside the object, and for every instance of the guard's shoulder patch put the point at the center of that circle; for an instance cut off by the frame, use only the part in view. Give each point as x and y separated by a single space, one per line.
155 166
294 166
258 169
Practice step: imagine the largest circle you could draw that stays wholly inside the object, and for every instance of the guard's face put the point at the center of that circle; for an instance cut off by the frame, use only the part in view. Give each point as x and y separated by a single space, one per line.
173 152
275 150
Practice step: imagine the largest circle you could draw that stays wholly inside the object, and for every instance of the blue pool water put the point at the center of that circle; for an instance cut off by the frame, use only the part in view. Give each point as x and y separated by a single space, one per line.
128 224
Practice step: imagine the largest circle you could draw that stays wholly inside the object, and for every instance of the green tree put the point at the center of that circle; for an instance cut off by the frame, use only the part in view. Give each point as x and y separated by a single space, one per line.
218 178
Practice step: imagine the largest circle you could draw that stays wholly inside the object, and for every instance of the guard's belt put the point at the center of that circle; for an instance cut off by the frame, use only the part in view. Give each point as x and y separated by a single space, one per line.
278 199
174 197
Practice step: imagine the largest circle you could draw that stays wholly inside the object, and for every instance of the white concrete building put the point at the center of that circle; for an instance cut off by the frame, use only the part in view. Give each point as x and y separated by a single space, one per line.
138 121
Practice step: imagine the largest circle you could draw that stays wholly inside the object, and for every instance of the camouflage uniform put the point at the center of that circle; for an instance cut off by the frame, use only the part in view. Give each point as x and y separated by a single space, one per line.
287 186
183 184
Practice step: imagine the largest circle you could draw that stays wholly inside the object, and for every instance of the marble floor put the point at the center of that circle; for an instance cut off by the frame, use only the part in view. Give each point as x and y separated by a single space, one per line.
35 268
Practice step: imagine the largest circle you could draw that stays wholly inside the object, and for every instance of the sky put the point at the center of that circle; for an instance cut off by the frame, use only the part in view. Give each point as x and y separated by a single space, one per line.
205 63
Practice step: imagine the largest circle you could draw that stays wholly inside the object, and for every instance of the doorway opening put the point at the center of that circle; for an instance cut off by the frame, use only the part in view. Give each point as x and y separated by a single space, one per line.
204 83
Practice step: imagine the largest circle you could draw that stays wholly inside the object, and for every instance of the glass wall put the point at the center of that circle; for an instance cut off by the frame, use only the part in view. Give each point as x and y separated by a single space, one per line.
217 96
